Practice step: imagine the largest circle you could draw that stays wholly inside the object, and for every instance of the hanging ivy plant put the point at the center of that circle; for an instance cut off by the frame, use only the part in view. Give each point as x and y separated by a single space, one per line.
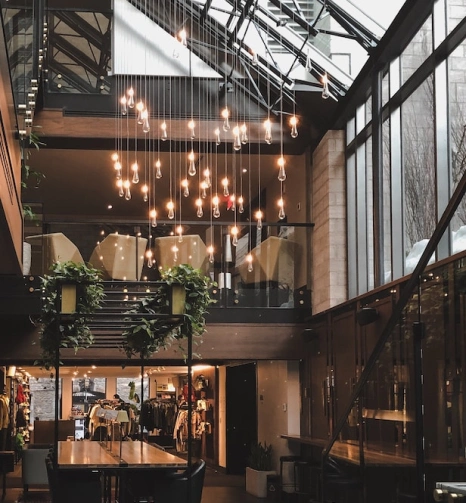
150 333
74 333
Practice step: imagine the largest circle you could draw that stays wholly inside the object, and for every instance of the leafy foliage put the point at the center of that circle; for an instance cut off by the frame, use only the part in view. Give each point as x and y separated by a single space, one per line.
28 174
72 332
151 333
260 457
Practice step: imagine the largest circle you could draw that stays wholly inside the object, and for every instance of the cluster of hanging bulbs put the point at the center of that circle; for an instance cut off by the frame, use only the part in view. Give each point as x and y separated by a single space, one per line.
240 137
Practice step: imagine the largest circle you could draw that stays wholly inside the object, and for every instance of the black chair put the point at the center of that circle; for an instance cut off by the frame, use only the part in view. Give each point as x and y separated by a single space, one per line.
167 487
341 485
100 434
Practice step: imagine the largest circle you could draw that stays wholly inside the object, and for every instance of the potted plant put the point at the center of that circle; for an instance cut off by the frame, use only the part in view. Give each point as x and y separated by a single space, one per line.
149 333
75 333
258 469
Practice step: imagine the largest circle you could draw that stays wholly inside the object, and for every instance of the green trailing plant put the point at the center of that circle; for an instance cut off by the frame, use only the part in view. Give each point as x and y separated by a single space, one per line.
72 332
260 457
150 333
28 174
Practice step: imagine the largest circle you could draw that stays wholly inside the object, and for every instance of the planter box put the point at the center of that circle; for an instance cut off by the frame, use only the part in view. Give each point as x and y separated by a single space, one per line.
256 482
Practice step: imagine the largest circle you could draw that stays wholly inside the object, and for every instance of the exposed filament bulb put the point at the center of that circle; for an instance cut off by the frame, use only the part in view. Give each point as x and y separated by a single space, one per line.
215 209
237 139
244 134
268 131
191 126
210 251
153 217
207 179
249 261
217 136
281 211
158 169
130 101
163 127
259 219
145 191
140 108
240 204
226 121
126 186
226 192
117 167
175 253
115 157
234 235
192 165
233 202
203 187
171 210
179 231
281 169
124 105
199 212
294 126
135 170
150 260
121 192
145 121
184 184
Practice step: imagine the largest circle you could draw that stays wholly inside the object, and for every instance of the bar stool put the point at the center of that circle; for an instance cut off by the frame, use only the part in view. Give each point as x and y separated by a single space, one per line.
304 485
285 483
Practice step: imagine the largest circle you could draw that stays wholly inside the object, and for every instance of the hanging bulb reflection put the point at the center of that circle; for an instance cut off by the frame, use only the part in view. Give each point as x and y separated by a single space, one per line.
249 261
171 210
237 139
268 131
184 184
153 217
158 169
217 136
234 235
130 101
163 127
255 59
240 204
226 192
126 186
175 253
179 231
210 251
140 108
215 209
325 90
145 191
183 37
191 126
281 211
192 165
135 170
150 261
199 212
124 107
121 192
259 219
294 126
244 134
281 169
226 121
145 121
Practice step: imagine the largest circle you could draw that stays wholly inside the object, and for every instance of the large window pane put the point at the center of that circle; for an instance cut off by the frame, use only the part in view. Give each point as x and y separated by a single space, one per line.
130 390
386 205
43 398
417 50
86 391
456 12
419 182
370 216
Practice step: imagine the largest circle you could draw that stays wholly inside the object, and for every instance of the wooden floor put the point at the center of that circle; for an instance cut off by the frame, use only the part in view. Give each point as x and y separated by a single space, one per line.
218 488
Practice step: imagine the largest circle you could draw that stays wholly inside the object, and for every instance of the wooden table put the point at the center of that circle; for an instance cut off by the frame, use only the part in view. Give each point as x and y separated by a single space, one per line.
85 454
143 455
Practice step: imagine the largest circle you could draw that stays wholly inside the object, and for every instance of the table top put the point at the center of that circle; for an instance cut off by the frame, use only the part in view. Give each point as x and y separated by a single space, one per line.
91 454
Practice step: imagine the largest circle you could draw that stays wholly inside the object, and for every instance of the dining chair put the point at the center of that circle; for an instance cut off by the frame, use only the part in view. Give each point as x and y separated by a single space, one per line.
168 487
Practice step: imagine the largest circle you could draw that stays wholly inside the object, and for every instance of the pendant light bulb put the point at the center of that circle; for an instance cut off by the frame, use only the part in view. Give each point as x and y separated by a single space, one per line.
179 231
281 211
325 90
192 165
232 202
226 192
158 169
121 192
237 139
207 179
140 109
240 204
203 187
215 209
184 184
145 121
281 169
234 235
145 191
183 37
124 105
244 133
210 251
199 212
259 219
115 157
175 253
126 186
130 101
294 126
163 127
150 261
117 167
249 261
135 170
217 136
226 121
191 126
171 210
153 217
268 131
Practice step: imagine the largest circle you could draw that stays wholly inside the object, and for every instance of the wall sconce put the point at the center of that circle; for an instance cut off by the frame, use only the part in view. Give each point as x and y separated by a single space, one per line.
68 298
367 315
11 372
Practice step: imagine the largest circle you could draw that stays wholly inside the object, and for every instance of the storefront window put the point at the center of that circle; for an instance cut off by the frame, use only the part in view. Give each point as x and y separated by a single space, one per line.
129 390
86 391
43 398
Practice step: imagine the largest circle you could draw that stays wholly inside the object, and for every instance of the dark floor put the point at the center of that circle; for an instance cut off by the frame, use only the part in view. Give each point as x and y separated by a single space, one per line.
218 488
